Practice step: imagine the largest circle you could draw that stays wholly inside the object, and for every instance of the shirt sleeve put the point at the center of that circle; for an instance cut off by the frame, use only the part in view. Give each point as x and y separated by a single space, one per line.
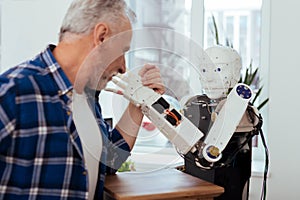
117 151
7 112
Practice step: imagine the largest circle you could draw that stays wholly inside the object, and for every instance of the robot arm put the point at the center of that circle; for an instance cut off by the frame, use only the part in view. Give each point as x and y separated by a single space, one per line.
226 122
180 130
175 126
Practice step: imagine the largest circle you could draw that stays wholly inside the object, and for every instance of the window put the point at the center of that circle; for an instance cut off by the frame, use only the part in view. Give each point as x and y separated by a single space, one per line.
172 15
239 26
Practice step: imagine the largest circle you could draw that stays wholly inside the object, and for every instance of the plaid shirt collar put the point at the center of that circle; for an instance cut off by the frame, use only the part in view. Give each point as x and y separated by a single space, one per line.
62 81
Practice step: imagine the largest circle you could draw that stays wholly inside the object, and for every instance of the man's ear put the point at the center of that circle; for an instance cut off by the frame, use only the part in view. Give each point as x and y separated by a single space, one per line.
101 32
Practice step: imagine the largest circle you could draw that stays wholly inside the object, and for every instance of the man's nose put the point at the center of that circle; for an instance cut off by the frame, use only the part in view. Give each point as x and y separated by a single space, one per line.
122 68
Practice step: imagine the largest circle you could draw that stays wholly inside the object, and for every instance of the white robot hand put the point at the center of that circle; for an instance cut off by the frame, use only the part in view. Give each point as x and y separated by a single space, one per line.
178 129
133 89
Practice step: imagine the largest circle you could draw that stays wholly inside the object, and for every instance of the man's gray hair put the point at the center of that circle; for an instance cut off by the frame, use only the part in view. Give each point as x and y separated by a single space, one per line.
83 15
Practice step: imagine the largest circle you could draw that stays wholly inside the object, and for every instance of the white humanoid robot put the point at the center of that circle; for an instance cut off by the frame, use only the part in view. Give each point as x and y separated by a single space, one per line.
206 141
228 99
228 122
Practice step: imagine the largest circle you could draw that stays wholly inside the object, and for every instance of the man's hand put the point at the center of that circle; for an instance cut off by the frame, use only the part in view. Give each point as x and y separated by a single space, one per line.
151 77
139 87
132 89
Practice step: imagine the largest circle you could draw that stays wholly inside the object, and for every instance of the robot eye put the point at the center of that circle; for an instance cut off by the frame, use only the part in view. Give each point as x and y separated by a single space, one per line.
218 69
203 70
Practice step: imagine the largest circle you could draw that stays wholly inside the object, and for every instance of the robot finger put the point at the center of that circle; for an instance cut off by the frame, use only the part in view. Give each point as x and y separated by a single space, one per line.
119 82
123 77
114 90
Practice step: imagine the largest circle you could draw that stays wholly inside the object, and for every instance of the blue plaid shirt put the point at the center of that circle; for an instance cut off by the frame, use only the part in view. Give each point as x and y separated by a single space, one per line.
41 155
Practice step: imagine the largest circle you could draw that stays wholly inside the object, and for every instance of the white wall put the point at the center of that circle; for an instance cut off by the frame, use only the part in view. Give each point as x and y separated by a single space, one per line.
280 51
284 95
27 26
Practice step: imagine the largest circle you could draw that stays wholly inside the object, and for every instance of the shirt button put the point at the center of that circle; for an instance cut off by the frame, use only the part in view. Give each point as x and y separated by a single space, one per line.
84 173
70 94
69 113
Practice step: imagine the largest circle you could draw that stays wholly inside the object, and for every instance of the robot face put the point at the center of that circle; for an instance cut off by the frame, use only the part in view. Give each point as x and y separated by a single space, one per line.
215 80
220 71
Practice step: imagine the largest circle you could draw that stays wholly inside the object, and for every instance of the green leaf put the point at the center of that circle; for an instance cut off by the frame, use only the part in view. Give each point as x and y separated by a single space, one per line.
262 104
252 76
256 95
246 76
228 43
126 166
216 30
241 80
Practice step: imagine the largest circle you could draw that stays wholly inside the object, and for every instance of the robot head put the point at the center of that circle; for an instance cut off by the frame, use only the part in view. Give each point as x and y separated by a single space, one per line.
220 71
